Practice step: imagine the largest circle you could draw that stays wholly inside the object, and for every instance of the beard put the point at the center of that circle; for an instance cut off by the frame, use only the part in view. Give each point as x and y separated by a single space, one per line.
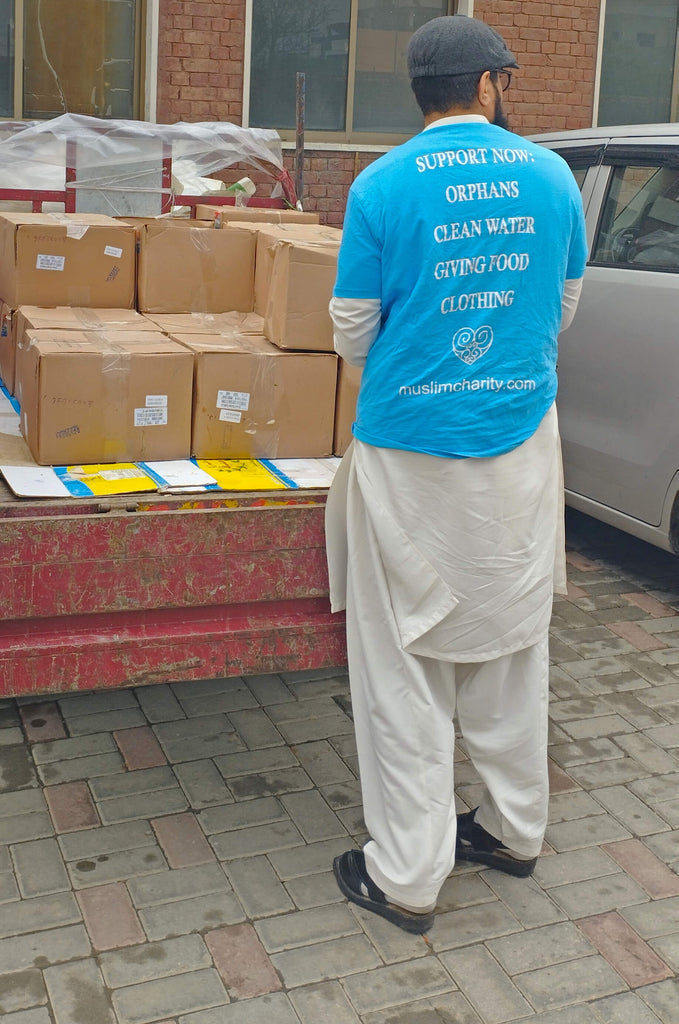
500 118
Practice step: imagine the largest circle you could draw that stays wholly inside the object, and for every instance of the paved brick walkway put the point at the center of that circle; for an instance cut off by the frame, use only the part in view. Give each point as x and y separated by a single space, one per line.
165 852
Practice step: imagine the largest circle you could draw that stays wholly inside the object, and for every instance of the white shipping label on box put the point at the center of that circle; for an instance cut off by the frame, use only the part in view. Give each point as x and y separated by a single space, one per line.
112 250
150 417
233 400
156 401
231 415
50 262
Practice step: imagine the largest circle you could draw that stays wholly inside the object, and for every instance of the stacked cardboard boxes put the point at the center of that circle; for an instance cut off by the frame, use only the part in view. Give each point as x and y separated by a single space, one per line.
215 342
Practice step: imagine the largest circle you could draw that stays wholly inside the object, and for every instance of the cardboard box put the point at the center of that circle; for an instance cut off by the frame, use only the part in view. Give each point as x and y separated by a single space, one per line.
254 214
75 318
348 384
302 279
194 269
267 236
7 347
66 260
207 323
93 397
252 400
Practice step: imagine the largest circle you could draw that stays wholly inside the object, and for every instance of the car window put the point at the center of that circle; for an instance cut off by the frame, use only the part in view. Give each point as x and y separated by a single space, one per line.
579 174
639 224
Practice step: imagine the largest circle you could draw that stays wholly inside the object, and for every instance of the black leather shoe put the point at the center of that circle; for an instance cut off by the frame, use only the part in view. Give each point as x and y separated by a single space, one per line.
475 844
357 885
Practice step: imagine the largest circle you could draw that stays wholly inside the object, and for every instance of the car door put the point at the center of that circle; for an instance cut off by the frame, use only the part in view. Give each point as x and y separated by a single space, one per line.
618 395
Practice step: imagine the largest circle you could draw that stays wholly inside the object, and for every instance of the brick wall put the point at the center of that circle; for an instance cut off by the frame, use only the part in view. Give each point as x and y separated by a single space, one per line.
201 65
555 45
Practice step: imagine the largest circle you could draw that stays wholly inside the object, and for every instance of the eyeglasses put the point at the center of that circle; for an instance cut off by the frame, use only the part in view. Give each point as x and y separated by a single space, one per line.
505 78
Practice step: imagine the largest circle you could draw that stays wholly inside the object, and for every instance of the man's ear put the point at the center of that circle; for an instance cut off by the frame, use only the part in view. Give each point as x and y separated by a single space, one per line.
486 93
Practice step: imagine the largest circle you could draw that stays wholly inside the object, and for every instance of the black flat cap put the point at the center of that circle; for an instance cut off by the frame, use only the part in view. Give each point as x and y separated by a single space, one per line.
457 45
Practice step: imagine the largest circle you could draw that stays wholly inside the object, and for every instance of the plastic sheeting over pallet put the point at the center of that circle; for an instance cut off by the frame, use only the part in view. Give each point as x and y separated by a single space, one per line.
131 168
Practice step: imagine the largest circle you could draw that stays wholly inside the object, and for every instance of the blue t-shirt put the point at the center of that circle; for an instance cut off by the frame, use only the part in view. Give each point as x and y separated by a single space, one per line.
466 233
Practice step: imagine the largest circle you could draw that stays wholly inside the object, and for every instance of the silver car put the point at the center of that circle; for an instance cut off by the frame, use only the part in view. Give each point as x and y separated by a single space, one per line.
618 395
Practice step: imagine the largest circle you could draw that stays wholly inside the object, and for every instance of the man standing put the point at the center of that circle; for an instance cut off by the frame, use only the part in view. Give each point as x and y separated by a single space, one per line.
461 260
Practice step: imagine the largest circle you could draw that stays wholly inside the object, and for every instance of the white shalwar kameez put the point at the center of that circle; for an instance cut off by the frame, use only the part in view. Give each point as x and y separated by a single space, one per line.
446 568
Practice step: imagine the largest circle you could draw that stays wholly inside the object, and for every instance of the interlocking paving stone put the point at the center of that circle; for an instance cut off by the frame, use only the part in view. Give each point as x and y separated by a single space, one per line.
638 861
242 961
667 947
626 951
38 1015
21 990
53 773
576 981
182 840
451 1007
540 947
258 887
77 993
524 898
312 816
623 1009
653 919
305 927
275 783
496 999
71 806
630 811
129 784
575 866
161 887
109 916
663 999
16 769
43 948
473 924
42 721
268 689
312 890
567 806
248 842
310 859
241 815
101 702
325 1001
392 944
153 960
232 698
126 718
39 868
203 784
40 913
106 839
142 805
140 748
325 961
115 867
256 729
615 771
465 889
323 765
181 917
597 895
182 993
252 762
158 703
307 729
389 986
582 832
647 753
275 1007
601 725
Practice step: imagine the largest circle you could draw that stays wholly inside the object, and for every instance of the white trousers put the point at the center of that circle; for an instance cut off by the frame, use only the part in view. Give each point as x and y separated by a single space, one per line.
403 711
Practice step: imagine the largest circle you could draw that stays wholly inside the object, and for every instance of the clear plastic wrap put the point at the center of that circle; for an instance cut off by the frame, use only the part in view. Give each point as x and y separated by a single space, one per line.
121 167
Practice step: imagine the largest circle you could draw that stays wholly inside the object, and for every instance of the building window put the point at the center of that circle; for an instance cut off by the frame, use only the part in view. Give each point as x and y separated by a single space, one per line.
75 56
352 53
637 84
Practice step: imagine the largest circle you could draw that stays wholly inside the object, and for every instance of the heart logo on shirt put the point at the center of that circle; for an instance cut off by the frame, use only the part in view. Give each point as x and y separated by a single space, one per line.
469 345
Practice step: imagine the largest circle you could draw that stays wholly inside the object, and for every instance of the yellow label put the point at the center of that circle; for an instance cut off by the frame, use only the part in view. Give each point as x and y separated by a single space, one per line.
107 478
241 474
